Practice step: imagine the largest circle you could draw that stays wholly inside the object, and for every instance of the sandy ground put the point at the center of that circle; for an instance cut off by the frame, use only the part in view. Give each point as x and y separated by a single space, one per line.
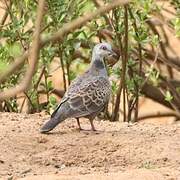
115 151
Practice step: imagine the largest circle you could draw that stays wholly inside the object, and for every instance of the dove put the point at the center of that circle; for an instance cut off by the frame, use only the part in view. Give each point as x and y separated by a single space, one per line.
88 94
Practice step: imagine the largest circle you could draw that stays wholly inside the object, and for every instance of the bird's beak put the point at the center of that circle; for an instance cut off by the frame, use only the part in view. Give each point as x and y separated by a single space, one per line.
112 53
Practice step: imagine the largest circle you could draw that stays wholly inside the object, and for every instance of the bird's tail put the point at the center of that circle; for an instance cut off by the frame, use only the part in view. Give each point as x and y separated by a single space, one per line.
51 124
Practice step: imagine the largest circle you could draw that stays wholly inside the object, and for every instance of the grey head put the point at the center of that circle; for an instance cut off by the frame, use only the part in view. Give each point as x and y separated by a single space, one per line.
102 50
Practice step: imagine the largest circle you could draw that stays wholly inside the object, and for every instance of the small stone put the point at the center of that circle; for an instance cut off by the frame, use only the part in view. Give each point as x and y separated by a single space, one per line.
63 166
1 161
42 140
165 159
57 166
47 164
10 178
26 171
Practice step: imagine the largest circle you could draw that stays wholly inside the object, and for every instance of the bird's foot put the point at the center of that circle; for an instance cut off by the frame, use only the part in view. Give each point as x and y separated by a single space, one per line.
80 129
92 125
93 129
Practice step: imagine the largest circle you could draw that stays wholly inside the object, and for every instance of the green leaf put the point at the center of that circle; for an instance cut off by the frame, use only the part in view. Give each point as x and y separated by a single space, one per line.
3 66
49 85
177 26
168 96
52 100
14 49
155 40
114 87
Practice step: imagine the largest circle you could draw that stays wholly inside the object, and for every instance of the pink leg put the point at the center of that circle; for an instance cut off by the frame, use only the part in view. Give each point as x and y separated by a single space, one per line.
78 122
92 125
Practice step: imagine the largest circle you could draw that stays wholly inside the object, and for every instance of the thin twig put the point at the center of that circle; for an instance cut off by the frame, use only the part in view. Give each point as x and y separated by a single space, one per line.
151 67
171 61
163 49
69 60
115 113
29 99
158 115
40 77
46 84
140 65
62 66
125 60
22 105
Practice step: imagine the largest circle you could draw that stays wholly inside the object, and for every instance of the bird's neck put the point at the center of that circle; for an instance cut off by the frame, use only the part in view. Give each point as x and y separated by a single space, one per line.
97 66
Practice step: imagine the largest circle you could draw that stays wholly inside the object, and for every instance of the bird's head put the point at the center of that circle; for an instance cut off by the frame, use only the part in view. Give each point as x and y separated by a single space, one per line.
103 50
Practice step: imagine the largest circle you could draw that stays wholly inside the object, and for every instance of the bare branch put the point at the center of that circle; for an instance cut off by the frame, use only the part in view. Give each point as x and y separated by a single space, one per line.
77 23
124 63
65 30
158 114
4 17
33 58
13 67
171 61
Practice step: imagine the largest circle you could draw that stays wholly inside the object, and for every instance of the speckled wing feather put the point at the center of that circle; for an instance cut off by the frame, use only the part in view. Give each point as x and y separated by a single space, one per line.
87 95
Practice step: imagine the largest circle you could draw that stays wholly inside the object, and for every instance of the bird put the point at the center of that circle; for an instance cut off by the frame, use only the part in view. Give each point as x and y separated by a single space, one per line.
88 94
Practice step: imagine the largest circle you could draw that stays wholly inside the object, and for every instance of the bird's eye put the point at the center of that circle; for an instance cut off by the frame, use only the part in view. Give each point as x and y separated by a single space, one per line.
104 48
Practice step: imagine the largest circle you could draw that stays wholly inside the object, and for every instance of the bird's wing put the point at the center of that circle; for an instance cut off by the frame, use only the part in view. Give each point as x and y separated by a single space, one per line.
72 88
87 97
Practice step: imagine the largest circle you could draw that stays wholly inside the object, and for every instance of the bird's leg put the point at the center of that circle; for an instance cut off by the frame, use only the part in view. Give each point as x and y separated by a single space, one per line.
92 125
78 124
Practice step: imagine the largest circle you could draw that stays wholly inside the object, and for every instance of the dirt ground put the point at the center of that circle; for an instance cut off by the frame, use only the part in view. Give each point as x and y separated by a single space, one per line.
116 151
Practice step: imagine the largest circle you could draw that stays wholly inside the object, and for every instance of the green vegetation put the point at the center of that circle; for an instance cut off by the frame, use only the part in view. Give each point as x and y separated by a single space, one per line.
142 23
